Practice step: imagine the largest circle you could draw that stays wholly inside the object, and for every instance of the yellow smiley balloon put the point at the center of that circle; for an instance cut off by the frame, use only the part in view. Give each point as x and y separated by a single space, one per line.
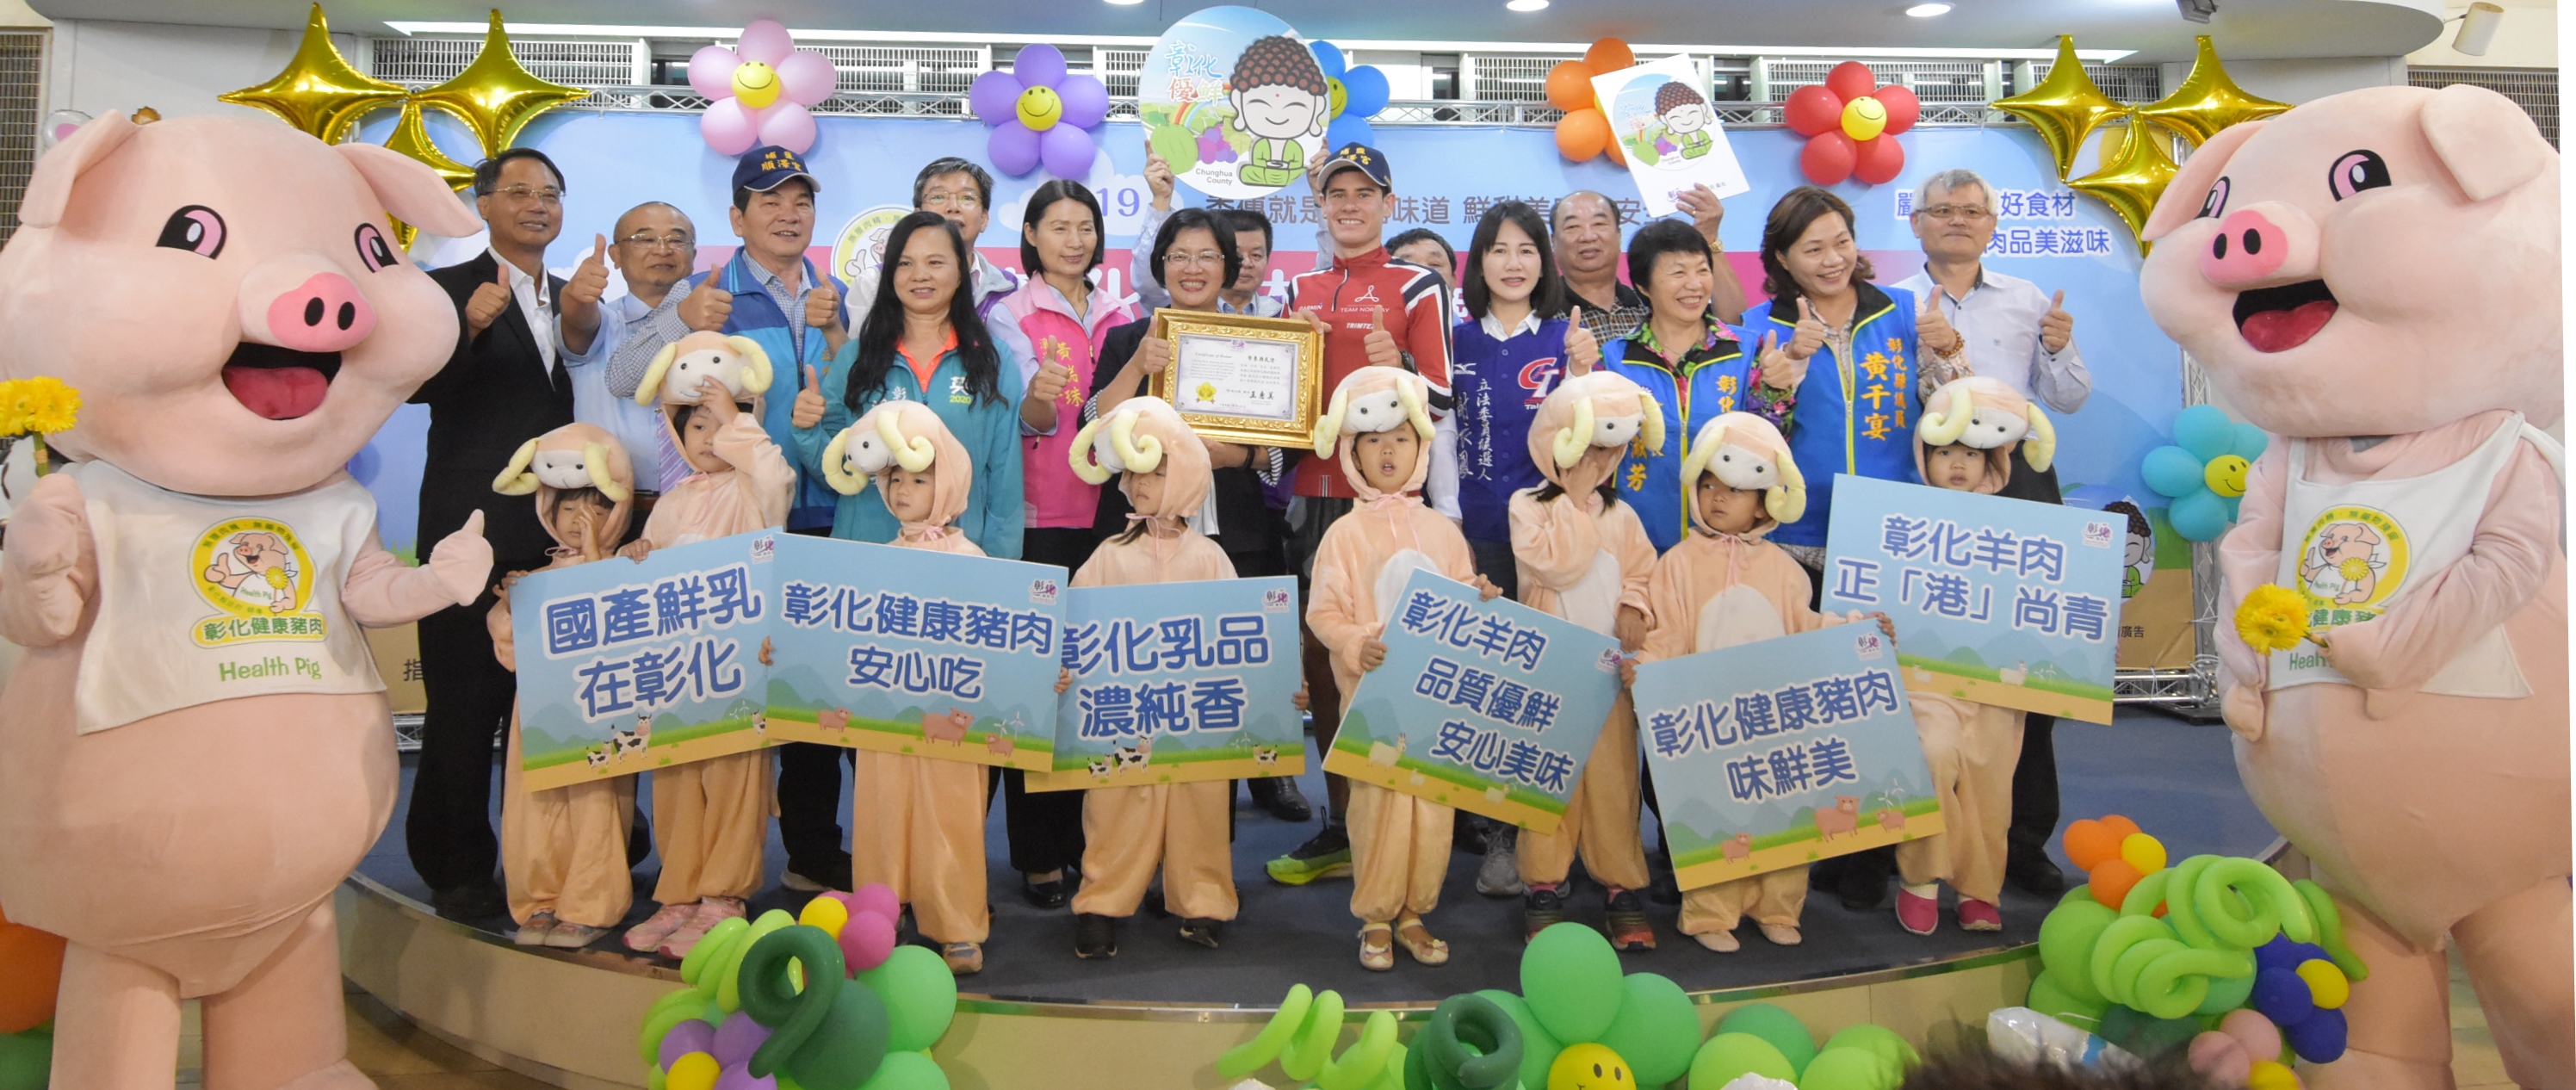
1590 1067
755 85
1864 117
1338 95
1040 108
2225 475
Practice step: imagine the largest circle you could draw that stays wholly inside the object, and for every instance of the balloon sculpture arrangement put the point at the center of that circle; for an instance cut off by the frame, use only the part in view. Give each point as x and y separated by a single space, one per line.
1851 125
1578 1021
2067 106
1039 114
2203 471
1356 94
758 92
820 1001
31 971
1584 131
2219 958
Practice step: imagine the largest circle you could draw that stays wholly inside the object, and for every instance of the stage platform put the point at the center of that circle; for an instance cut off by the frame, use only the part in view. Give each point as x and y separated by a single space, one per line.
1034 1016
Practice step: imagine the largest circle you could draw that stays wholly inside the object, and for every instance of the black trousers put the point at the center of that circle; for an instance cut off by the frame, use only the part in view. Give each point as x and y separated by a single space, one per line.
449 826
809 797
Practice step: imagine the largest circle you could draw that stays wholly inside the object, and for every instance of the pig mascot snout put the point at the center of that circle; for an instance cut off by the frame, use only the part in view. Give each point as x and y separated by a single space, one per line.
196 748
2374 276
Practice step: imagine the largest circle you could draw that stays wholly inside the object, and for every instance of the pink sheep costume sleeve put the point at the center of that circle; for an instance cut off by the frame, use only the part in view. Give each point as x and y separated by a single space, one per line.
1180 827
1584 560
182 810
2420 759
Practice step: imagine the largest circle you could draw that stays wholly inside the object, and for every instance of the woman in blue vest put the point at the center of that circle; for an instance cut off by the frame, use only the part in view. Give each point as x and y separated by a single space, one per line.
1695 366
1858 345
922 342
1514 347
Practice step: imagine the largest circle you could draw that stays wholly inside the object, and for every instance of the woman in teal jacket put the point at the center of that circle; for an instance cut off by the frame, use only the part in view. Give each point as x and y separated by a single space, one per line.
922 342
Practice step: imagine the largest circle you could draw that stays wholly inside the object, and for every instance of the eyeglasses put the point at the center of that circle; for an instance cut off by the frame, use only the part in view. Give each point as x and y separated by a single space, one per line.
1968 212
655 242
1202 258
549 195
959 202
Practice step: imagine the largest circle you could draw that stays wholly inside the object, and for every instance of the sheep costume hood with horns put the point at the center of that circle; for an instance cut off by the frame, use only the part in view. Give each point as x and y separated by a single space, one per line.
1366 556
1141 435
1582 557
1989 416
755 492
570 459
906 435
1715 589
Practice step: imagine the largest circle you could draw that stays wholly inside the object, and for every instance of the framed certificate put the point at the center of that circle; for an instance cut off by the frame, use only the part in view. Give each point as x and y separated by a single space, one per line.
1242 379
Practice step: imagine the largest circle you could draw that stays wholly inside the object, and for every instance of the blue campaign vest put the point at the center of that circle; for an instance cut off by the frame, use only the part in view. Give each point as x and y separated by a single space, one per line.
1864 427
1498 386
1706 388
756 315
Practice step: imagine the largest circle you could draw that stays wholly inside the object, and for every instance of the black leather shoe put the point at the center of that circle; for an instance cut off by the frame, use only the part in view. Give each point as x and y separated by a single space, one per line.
1201 931
2032 871
478 903
1094 936
1863 884
1279 797
1048 896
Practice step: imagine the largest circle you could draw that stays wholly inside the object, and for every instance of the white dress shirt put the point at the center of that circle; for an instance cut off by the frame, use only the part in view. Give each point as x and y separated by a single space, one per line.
1999 321
538 304
640 430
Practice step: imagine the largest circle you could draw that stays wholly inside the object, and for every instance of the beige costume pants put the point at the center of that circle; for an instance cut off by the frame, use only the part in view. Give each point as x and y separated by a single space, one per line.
1399 853
918 826
710 821
1972 749
1128 831
1600 817
1769 897
564 850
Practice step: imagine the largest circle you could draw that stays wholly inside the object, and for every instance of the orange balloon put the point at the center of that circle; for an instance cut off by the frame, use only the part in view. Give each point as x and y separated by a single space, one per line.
31 971
1581 134
1609 55
1617 156
1569 86
2089 842
2123 826
2112 881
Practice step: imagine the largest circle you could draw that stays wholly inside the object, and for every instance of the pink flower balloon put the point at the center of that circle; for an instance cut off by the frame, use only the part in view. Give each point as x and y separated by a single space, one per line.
807 77
866 940
728 127
876 897
767 42
711 71
789 126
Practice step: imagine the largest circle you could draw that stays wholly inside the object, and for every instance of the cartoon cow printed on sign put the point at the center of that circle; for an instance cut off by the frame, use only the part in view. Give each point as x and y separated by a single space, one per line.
1267 757
1101 767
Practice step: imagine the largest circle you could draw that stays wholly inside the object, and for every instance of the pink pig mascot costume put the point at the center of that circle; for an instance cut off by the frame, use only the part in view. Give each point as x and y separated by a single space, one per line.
226 296
2374 276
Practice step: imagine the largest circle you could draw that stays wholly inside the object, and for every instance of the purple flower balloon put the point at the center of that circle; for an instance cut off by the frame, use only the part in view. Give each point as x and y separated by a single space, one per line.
687 1037
737 1039
739 1077
1066 146
1040 65
1067 151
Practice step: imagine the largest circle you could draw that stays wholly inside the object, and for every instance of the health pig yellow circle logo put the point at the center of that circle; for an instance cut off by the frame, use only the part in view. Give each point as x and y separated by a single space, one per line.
2351 560
253 567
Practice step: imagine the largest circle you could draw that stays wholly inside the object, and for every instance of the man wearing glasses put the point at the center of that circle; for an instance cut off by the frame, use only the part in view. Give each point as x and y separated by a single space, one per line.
655 247
503 386
963 192
2023 336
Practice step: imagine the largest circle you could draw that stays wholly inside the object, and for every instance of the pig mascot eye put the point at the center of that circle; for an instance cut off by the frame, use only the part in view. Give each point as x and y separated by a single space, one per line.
196 229
2215 202
2357 171
373 249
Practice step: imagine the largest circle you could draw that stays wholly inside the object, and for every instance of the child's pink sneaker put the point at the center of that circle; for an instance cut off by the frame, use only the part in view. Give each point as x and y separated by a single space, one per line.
1977 915
644 938
1916 912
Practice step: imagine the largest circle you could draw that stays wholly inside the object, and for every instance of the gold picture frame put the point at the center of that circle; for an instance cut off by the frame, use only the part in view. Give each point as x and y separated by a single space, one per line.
1241 343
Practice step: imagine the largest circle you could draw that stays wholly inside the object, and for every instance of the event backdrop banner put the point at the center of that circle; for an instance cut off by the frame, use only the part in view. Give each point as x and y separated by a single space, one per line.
626 667
1782 752
1491 707
1996 600
911 651
1179 683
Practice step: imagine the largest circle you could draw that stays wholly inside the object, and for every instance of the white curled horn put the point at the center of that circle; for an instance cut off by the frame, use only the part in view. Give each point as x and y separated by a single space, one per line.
651 388
1787 501
1652 430
594 458
1415 394
516 479
1328 428
756 372
1696 462
1085 465
913 454
1570 443
1944 427
1141 456
836 461
2039 447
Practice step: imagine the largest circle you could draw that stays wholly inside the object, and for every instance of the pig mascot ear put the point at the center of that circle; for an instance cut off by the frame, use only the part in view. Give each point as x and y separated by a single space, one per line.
409 191
2190 189
2489 144
49 191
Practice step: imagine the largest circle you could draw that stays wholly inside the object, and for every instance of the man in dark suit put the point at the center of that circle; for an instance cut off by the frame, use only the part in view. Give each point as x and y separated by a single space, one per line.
504 386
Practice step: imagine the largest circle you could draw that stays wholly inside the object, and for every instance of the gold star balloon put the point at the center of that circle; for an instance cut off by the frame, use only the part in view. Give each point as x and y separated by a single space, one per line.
411 137
2208 101
2065 108
2131 179
319 92
495 96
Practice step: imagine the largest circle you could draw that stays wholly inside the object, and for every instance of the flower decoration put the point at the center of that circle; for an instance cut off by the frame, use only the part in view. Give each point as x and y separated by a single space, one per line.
1584 131
2272 618
759 90
1358 93
1851 125
38 406
2204 473
1040 114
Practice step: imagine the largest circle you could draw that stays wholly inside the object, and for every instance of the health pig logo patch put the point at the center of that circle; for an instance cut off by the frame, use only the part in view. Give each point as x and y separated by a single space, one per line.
2352 560
257 572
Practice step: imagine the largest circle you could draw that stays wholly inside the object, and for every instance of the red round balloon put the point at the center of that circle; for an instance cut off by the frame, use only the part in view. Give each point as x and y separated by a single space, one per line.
1850 80
1828 158
1878 160
1569 86
1903 109
1581 134
1813 110
31 970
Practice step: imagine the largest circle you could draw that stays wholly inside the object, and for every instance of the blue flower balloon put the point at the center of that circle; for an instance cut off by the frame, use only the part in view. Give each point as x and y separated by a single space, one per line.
2204 472
1357 95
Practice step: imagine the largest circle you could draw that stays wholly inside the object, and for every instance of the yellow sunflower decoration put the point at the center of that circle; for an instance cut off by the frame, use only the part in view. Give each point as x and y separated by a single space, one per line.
2272 618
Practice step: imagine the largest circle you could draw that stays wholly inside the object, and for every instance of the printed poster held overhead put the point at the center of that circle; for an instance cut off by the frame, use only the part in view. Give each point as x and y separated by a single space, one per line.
1668 131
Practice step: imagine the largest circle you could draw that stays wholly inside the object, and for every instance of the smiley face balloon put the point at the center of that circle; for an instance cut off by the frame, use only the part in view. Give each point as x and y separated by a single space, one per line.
1040 108
2225 475
1590 1067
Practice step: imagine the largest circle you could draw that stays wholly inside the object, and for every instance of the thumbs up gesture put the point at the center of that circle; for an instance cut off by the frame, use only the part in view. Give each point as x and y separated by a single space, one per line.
809 401
590 280
823 312
1933 332
1582 349
2056 327
1382 351
1783 368
1810 334
488 300
1048 384
707 308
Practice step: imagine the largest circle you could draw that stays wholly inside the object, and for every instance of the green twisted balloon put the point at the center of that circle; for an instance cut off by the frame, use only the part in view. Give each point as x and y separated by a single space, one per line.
1469 1044
830 1036
1255 1054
